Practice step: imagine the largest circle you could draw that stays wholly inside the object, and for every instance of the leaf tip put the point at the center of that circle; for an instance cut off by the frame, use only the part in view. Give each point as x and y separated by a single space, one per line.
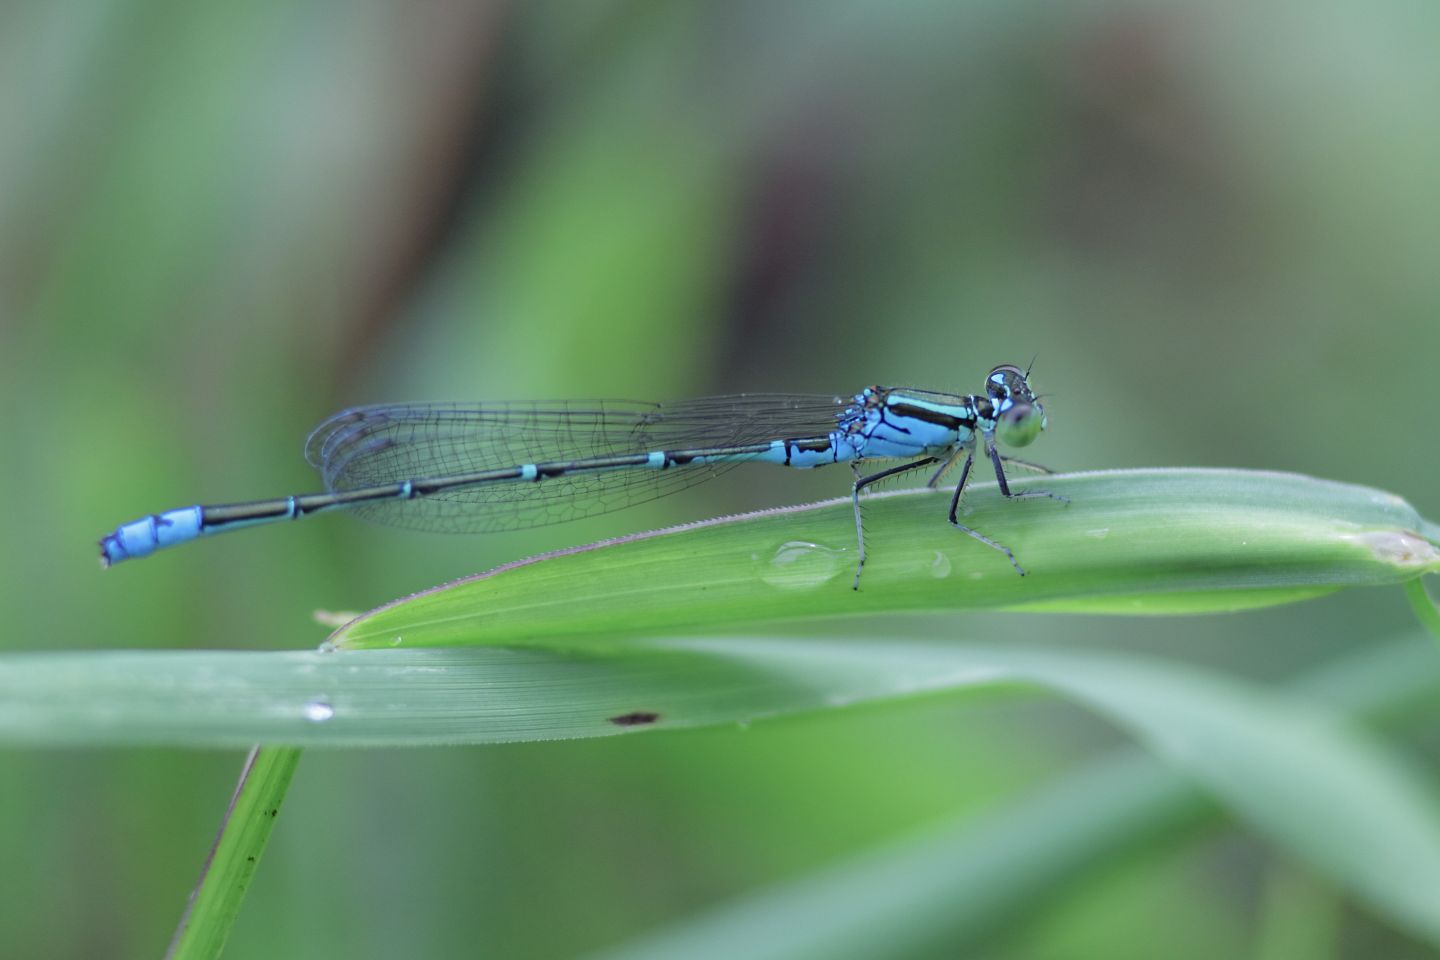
1401 548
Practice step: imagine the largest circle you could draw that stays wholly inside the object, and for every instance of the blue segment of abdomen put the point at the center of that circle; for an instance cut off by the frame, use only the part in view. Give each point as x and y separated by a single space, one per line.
148 534
808 452
839 449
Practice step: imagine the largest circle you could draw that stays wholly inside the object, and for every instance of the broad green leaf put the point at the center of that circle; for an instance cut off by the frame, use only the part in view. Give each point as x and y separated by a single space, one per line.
1135 541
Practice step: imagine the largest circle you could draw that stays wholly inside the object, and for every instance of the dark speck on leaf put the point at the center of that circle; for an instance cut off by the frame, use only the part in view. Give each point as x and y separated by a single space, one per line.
637 719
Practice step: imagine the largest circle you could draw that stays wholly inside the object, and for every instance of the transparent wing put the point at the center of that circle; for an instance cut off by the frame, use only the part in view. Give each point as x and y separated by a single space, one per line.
371 446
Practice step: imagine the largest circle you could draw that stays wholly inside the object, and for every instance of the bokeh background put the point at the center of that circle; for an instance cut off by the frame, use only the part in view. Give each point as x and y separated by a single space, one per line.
1216 225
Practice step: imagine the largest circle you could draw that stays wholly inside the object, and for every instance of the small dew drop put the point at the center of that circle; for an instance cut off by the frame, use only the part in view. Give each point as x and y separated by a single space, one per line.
799 564
397 641
940 566
327 647
317 711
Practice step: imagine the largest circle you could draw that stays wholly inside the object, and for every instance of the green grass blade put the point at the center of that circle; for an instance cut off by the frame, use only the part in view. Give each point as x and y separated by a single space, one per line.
467 695
216 901
1427 611
419 697
1331 795
933 893
1328 793
927 894
1136 541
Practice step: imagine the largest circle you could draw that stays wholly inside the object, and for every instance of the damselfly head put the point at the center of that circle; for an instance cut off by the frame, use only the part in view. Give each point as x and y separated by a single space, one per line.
1021 417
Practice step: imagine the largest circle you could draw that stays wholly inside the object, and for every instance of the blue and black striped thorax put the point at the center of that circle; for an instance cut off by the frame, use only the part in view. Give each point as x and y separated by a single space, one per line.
901 422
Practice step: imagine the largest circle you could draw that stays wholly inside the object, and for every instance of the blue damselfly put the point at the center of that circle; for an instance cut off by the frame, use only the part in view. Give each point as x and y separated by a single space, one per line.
484 467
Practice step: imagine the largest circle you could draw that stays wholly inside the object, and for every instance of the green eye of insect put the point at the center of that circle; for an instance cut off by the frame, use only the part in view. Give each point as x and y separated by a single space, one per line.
1020 425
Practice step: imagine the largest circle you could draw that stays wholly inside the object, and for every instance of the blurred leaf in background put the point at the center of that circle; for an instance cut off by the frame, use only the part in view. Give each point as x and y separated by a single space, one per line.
1215 225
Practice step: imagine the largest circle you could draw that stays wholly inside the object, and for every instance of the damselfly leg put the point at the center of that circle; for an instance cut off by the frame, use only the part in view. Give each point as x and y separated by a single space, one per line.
861 484
996 459
968 453
1025 464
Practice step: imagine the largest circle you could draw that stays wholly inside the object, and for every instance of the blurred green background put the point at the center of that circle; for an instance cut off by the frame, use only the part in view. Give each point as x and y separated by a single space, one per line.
1216 226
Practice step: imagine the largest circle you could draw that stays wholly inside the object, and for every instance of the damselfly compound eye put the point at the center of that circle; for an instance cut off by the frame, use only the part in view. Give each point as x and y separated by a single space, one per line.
1020 425
1007 384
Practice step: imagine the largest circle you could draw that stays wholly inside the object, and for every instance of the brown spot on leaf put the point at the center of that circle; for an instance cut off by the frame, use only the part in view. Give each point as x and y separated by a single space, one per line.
638 718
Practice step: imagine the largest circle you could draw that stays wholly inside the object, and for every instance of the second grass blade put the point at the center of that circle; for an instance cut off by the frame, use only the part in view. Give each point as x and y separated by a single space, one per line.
1134 541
